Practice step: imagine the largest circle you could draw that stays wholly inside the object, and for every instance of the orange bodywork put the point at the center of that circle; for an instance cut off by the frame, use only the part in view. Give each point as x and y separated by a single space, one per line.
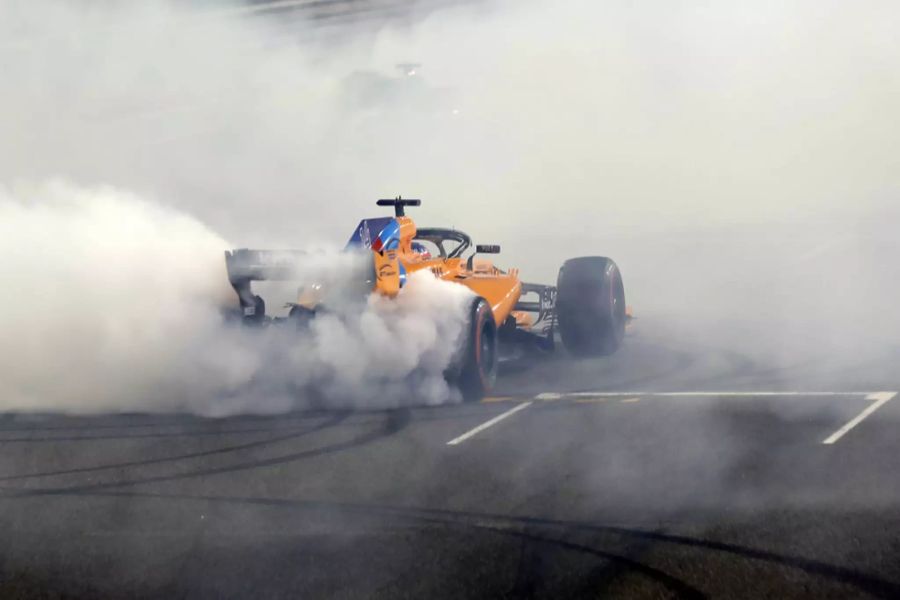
501 289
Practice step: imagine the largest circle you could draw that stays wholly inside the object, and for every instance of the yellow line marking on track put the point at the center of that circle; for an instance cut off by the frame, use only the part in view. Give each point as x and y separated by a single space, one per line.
601 399
595 400
498 399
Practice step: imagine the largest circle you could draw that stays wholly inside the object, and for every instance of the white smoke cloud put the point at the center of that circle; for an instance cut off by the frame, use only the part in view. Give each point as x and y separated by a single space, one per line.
115 303
386 353
104 290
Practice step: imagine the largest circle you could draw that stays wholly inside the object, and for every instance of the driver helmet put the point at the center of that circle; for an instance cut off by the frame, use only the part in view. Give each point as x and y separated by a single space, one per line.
421 250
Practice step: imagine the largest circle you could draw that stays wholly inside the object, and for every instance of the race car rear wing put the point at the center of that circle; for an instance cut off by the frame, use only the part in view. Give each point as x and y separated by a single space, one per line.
245 266
262 265
346 275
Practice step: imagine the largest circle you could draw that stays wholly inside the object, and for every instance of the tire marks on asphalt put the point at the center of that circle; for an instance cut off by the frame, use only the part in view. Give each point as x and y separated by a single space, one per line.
556 530
334 420
395 421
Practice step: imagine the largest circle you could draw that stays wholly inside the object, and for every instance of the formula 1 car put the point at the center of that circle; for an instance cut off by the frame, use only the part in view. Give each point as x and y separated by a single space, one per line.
586 307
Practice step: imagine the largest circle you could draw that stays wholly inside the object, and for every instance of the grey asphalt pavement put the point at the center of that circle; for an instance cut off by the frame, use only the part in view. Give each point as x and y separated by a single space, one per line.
713 489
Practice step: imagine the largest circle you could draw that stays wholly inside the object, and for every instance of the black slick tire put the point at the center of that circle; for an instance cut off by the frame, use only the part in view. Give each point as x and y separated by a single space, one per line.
590 306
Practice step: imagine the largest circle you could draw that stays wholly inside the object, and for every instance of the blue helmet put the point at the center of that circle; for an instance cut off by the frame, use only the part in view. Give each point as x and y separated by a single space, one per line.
420 248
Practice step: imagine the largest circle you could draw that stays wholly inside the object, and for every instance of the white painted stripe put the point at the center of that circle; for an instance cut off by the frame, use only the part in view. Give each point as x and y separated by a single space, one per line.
725 394
486 424
880 399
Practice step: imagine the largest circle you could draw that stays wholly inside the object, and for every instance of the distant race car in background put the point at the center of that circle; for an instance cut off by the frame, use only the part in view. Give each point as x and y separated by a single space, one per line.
405 93
586 307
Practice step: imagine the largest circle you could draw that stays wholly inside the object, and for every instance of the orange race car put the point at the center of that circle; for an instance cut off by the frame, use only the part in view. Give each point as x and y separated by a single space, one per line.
586 307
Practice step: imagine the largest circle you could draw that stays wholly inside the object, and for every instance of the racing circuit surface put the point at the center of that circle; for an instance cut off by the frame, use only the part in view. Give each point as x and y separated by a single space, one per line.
726 492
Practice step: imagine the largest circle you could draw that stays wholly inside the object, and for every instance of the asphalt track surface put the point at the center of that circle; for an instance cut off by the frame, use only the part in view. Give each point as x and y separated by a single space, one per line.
729 493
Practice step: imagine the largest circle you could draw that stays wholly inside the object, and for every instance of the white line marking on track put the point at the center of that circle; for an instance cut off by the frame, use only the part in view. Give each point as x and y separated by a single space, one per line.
486 424
880 399
723 394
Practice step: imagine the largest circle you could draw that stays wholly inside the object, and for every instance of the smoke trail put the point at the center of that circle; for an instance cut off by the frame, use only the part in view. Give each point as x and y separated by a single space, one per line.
115 303
104 290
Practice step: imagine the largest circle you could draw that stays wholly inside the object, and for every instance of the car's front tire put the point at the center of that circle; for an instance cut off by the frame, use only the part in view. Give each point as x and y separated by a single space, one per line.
590 306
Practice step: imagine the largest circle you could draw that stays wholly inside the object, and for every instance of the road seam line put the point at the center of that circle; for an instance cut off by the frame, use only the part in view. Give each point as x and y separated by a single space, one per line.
880 399
486 424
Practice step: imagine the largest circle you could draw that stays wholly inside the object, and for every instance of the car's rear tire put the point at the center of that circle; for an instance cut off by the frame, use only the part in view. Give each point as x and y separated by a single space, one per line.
476 369
590 306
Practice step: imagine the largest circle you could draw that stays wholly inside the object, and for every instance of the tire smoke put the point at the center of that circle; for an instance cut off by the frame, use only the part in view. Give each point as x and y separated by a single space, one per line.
115 303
